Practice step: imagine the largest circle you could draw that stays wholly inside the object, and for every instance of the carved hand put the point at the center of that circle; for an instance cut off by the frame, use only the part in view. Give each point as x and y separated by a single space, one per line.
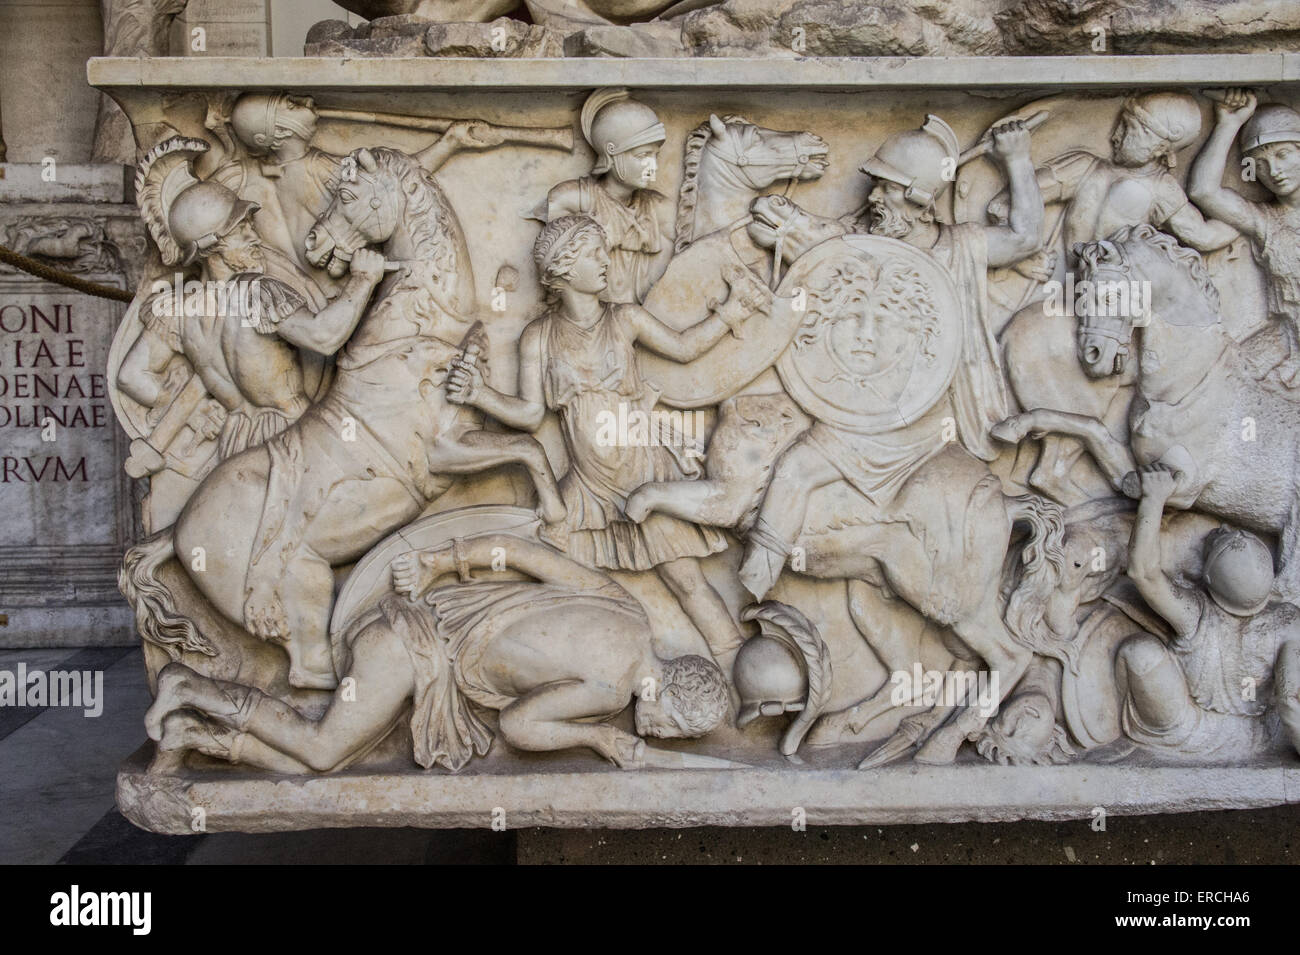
464 381
1011 141
1159 482
746 295
367 264
1232 106
208 418
1039 266
415 572
474 134
622 749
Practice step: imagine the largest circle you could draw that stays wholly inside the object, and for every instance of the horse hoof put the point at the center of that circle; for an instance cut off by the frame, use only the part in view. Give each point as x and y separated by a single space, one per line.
834 729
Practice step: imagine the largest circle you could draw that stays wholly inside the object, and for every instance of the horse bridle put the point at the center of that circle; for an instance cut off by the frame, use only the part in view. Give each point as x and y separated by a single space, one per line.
355 227
781 230
1123 340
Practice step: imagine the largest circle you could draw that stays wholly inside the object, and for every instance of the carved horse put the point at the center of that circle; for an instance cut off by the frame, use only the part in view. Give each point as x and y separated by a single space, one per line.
1233 441
365 460
730 161
940 545
1043 372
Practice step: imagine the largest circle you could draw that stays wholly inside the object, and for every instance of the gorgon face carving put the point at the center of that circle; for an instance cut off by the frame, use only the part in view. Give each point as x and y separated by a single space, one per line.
875 321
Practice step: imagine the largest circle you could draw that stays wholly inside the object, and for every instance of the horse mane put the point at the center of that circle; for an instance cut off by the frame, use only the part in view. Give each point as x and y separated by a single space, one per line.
689 194
427 231
431 225
1146 234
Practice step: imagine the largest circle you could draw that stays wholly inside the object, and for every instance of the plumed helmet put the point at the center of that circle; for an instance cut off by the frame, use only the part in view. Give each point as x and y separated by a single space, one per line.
612 124
202 214
1238 571
915 159
768 678
1172 116
785 669
1273 123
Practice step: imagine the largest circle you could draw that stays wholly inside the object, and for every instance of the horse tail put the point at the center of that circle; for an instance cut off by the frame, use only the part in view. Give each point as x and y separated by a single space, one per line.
1043 560
155 611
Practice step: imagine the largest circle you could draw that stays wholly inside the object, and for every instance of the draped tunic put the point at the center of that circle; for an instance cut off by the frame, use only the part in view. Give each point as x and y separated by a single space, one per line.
590 378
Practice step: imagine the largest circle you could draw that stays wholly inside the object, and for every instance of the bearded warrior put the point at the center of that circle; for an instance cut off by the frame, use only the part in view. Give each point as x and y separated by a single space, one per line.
910 172
239 327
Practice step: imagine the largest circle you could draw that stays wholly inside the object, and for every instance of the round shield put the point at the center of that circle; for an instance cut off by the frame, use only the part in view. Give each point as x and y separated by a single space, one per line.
880 337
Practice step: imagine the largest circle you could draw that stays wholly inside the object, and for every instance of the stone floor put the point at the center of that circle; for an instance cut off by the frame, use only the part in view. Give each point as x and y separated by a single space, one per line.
56 805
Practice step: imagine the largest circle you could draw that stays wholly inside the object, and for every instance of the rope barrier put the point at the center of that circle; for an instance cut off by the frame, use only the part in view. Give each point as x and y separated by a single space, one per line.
59 277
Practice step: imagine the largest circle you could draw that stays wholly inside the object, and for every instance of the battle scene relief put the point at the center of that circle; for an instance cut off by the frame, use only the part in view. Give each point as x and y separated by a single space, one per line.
654 430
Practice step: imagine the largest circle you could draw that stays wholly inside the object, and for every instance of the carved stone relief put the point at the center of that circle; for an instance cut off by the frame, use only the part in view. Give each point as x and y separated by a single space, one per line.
753 435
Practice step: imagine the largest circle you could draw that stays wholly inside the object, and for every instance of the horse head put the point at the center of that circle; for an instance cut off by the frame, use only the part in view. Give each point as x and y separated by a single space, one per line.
779 224
383 197
1137 278
1104 333
365 210
760 156
729 161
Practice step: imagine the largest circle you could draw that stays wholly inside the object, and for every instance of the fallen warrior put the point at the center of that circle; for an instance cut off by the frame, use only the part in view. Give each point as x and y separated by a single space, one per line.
557 657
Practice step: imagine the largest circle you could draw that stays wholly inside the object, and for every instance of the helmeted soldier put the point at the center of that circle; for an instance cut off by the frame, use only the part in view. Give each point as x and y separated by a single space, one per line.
289 179
1100 195
203 215
1135 184
910 172
921 161
626 137
1270 146
1184 696
293 181
237 328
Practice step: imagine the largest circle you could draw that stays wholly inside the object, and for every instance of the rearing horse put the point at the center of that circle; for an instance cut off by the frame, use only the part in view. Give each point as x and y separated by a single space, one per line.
1233 441
363 461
